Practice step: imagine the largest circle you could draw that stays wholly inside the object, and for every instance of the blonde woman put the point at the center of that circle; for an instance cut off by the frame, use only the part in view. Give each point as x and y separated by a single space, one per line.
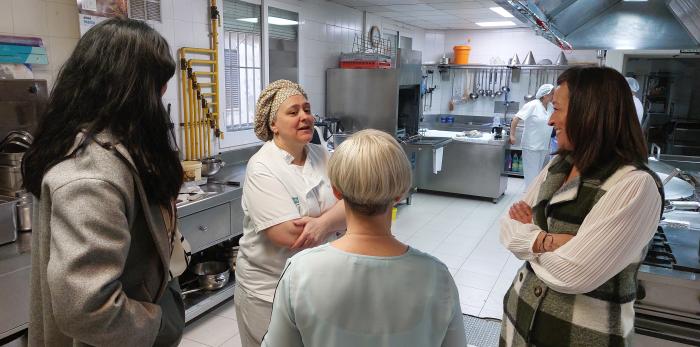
366 288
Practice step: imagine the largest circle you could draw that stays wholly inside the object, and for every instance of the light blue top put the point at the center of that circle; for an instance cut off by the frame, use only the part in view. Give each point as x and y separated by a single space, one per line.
328 297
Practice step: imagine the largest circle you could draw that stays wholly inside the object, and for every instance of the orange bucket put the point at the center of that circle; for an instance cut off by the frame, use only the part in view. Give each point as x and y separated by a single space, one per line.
462 54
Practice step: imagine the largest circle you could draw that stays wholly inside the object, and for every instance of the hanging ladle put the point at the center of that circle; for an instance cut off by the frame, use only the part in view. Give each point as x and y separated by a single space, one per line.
499 91
474 95
482 84
506 88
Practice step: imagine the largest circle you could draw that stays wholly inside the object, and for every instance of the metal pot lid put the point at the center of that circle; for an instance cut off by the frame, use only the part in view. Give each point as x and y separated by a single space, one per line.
659 166
676 188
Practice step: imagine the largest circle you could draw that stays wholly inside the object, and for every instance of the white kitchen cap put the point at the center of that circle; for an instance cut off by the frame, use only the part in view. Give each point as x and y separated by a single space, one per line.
634 85
545 89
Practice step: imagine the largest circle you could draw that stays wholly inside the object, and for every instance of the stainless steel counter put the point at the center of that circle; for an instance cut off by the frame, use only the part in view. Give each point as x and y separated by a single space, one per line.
216 194
468 168
15 270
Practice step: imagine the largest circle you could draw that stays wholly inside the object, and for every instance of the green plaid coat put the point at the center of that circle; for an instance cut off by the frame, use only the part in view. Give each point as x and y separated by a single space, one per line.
535 315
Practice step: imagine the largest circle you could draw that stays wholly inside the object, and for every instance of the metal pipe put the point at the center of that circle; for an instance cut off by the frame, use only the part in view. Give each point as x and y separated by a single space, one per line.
200 62
205 128
199 125
198 50
215 22
184 106
193 116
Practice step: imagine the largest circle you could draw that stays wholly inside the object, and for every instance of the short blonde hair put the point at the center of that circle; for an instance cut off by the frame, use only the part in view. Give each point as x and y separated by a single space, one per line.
370 169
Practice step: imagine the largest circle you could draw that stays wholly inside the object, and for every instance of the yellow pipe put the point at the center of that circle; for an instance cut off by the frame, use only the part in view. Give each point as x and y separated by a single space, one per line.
184 106
208 134
204 73
208 94
200 62
193 117
198 128
207 85
198 50
215 22
205 128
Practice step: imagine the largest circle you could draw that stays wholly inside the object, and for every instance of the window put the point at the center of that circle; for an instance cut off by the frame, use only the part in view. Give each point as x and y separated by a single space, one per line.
243 78
145 10
242 63
283 44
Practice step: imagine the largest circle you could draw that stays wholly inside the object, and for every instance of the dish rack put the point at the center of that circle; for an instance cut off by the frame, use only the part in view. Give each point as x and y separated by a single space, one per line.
367 54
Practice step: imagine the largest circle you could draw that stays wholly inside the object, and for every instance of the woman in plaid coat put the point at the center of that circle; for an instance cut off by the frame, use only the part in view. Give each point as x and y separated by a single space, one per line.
584 223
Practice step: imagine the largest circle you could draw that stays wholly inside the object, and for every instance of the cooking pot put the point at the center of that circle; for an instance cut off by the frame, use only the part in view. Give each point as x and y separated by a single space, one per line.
211 275
210 166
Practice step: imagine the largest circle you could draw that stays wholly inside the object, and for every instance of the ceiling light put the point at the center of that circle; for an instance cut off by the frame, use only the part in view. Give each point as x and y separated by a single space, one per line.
506 23
281 21
501 11
271 20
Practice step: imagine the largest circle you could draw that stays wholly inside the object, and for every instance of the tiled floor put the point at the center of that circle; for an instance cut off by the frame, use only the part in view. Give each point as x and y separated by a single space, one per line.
461 232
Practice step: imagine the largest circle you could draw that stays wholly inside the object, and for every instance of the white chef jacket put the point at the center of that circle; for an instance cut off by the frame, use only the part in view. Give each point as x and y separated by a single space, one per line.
536 133
638 107
276 191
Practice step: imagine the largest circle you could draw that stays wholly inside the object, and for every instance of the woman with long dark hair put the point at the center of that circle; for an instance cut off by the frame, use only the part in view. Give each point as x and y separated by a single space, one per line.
105 176
584 223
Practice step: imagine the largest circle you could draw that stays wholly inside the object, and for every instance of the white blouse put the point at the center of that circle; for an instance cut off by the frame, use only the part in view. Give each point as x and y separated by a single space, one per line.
612 236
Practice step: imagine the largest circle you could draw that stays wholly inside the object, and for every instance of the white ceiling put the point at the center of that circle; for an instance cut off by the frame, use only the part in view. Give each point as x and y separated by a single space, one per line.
433 14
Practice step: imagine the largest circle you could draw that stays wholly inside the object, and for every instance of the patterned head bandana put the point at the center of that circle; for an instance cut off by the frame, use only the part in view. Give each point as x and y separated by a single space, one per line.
269 102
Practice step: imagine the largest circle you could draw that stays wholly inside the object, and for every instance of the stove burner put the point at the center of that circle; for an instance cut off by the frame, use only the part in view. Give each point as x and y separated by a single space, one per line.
660 251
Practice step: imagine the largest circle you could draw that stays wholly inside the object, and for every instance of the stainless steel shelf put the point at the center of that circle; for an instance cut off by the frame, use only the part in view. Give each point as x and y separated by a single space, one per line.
515 67
514 174
198 303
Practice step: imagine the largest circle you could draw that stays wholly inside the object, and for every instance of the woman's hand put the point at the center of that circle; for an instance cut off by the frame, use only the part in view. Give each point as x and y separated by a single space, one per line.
521 212
512 139
314 233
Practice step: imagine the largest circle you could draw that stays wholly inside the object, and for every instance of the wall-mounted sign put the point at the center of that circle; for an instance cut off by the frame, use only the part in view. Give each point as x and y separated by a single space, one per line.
91 12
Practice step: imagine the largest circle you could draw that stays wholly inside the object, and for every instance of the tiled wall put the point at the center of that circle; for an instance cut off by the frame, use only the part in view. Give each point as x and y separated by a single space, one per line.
55 21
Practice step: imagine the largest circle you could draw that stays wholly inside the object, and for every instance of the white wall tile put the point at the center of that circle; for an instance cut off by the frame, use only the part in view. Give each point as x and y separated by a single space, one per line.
63 20
6 21
183 35
200 11
182 10
61 49
167 9
201 34
29 17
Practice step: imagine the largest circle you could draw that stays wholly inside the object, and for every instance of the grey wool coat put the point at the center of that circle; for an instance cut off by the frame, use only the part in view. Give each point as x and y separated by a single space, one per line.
100 255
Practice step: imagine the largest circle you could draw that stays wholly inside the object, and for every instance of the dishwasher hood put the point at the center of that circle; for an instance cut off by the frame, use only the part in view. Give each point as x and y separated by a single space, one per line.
612 24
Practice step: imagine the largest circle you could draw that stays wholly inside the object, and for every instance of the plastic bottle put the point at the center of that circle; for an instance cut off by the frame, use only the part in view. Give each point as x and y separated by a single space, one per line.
509 163
516 162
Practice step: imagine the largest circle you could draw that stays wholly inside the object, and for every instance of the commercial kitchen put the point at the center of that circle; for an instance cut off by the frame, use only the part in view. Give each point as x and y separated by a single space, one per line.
445 77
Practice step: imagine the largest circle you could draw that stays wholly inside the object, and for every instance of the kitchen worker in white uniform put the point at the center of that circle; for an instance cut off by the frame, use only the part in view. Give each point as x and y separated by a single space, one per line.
536 134
288 203
634 86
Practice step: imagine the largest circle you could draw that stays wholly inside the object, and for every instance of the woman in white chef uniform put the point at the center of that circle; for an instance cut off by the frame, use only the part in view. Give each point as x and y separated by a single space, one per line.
288 203
634 86
537 134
